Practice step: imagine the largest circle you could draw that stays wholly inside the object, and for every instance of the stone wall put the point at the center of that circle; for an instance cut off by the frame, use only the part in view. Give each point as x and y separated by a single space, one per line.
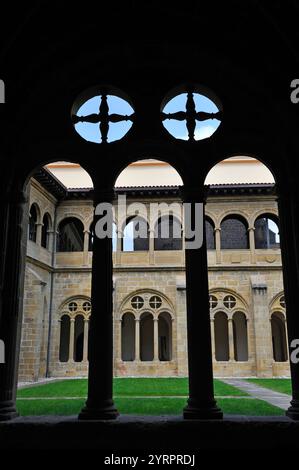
54 280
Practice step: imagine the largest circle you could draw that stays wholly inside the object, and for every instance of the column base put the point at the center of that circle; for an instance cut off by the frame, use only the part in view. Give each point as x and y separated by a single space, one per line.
200 410
293 411
105 411
8 411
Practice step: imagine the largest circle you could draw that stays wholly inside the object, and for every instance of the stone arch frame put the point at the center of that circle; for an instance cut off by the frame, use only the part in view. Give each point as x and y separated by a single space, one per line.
212 217
71 215
128 217
38 211
275 219
242 217
166 307
211 220
63 310
125 222
170 309
261 212
274 305
276 308
236 212
50 218
242 307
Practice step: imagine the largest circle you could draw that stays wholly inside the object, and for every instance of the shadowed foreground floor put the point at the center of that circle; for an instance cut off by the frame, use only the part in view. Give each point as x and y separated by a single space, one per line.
165 434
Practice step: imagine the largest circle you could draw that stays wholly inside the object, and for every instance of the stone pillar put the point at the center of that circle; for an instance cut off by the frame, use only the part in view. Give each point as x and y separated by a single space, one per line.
252 245
218 244
288 205
99 404
152 246
119 234
262 327
72 339
85 344
137 339
50 239
201 403
12 283
86 246
231 339
156 339
86 241
39 233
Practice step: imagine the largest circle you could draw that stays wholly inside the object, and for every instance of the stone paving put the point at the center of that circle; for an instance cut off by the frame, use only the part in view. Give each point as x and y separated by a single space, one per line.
274 398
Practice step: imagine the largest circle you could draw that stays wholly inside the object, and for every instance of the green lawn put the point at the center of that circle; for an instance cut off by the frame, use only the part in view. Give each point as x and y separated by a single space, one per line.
135 396
146 406
125 387
279 385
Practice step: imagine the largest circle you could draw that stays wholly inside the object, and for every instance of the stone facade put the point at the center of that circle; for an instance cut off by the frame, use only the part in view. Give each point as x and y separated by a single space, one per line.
246 289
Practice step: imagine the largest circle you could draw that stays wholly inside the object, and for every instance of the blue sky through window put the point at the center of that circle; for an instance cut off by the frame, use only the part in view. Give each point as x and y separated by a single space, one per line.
178 129
91 132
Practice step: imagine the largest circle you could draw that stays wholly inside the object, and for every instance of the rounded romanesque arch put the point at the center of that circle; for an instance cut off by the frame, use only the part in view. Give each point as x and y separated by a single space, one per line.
146 318
277 312
229 314
73 317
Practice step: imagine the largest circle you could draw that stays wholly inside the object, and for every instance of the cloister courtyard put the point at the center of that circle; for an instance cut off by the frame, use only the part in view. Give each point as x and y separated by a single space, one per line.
149 396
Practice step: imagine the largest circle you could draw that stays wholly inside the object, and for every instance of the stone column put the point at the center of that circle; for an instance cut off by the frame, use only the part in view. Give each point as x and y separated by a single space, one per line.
85 344
218 244
156 339
39 233
231 339
288 205
137 339
252 245
120 235
99 404
86 241
152 246
86 246
262 327
12 283
201 402
72 339
50 239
